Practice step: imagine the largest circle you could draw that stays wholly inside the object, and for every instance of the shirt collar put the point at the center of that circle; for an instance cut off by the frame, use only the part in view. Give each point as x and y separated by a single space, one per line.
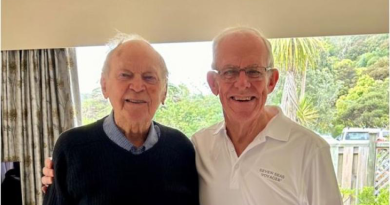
279 126
114 134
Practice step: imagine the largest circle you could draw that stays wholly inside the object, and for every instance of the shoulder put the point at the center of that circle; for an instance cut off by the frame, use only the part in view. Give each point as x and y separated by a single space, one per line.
209 139
297 135
307 136
175 144
80 135
173 136
209 133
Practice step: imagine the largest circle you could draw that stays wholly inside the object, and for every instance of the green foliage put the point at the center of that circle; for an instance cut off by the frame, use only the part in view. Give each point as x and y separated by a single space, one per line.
337 130
275 97
352 47
372 60
306 114
362 101
189 112
94 107
322 88
294 53
365 105
347 194
363 59
383 197
345 75
367 196
344 64
379 70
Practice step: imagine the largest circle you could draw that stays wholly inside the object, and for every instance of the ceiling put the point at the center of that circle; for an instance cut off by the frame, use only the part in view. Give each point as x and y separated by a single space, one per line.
27 24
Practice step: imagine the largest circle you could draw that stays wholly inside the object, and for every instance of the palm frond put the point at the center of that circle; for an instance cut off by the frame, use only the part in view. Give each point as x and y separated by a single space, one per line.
306 112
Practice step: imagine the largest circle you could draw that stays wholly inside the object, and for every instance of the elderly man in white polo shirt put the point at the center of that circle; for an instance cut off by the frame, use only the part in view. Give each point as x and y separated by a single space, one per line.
257 155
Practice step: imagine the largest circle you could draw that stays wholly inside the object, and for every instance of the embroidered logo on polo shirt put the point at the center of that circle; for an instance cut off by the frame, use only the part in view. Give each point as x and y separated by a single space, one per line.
274 176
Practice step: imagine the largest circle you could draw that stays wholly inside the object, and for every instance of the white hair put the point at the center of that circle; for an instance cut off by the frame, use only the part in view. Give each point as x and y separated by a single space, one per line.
242 30
122 38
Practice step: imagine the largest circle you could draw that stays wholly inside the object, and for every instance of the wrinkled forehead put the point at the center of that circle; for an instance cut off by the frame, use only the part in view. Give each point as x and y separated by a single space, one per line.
241 49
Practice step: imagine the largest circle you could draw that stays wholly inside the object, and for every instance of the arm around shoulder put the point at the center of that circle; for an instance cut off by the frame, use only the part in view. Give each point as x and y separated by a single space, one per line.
57 193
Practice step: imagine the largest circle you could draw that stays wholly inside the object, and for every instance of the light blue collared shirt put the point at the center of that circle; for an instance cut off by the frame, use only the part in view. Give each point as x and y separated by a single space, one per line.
115 135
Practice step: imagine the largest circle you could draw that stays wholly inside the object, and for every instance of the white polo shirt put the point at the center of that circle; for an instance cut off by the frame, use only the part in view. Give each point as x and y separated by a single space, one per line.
285 164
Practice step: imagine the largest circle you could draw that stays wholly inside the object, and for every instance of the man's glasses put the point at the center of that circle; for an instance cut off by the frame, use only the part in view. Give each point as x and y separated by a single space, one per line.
254 73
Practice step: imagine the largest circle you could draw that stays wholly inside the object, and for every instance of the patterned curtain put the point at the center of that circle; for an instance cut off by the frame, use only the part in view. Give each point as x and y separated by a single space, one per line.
39 100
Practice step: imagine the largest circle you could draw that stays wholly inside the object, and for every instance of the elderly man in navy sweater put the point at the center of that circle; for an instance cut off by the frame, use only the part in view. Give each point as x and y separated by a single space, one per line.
126 157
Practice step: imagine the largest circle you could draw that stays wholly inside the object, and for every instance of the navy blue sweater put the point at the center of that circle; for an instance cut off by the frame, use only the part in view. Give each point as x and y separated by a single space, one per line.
91 169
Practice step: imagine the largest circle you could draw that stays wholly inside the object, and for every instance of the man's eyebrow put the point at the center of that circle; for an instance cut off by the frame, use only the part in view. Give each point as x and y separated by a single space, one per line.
154 67
237 67
149 72
124 70
229 66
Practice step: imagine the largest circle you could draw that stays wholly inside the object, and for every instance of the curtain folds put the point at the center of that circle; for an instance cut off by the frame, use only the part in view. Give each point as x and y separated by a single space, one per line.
39 100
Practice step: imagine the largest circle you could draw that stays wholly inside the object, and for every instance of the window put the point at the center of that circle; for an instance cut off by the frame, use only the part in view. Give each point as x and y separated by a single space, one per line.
347 86
357 136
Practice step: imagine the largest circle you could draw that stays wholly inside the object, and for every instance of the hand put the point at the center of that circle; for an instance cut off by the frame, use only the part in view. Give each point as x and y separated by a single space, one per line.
48 173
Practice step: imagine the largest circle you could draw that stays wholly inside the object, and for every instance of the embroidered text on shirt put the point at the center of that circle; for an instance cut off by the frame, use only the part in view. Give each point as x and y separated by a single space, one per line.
271 175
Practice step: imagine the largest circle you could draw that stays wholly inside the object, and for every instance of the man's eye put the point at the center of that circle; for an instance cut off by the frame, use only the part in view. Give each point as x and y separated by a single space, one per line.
150 79
124 75
253 73
229 73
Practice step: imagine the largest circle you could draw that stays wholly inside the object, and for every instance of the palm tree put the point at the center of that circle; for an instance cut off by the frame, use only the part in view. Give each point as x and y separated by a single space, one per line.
306 113
295 55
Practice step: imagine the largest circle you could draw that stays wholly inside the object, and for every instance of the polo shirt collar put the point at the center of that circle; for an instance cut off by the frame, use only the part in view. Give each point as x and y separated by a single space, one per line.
278 127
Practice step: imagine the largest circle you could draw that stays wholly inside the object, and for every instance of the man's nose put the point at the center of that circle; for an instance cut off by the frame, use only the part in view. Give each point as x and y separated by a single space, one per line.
242 80
137 84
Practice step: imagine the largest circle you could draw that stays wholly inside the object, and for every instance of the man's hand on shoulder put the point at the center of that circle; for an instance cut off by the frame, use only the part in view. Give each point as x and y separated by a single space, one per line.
48 173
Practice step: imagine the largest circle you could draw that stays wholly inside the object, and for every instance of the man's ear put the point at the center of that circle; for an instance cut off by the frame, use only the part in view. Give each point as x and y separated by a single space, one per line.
272 80
103 85
164 94
212 82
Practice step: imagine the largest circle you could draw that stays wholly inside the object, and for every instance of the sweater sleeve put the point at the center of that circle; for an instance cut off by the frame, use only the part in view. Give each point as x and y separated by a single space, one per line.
57 193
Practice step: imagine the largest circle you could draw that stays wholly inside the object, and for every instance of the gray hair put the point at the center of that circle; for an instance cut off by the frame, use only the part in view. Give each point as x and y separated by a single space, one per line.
243 30
122 38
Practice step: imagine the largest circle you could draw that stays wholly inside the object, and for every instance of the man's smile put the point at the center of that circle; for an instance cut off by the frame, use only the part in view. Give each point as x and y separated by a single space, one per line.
243 99
135 101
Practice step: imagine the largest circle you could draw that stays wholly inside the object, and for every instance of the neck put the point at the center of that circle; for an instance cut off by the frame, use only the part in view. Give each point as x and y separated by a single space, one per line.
136 133
243 133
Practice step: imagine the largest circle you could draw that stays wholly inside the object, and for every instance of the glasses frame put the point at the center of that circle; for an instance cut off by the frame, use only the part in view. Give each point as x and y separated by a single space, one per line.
246 70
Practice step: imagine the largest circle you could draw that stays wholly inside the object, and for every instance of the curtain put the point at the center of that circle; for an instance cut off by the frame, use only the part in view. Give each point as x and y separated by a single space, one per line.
40 99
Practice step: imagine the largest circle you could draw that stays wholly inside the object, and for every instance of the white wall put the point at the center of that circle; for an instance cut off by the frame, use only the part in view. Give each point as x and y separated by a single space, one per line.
28 24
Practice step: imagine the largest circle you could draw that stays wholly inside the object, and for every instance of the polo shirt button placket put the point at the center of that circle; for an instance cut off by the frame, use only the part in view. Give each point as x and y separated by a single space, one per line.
234 178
